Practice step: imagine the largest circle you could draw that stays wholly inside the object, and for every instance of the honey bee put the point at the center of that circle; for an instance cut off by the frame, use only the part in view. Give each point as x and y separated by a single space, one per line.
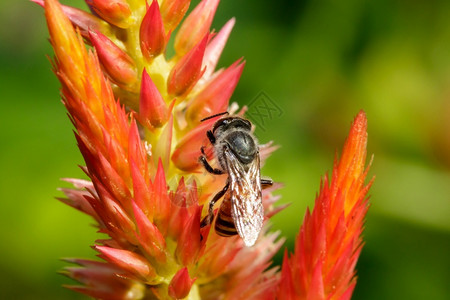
241 211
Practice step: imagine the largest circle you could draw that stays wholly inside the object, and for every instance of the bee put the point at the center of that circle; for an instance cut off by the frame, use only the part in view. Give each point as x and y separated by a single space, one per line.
241 211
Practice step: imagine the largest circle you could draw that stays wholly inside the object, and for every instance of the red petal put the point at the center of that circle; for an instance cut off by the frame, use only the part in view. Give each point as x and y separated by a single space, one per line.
116 12
181 284
152 35
116 62
188 70
152 108
128 261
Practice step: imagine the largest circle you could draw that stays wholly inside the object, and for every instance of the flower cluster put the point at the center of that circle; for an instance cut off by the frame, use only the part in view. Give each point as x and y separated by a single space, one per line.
137 115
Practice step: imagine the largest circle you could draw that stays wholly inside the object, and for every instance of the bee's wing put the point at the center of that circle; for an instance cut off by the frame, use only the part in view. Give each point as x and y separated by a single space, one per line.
246 200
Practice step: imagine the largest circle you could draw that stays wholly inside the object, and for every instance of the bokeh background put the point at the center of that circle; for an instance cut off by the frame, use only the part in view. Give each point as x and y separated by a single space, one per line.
320 62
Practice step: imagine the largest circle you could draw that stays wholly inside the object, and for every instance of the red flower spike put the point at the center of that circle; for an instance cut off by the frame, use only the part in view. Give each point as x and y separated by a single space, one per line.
187 151
329 242
181 284
188 70
215 48
150 238
131 262
164 144
152 35
189 243
116 12
119 66
161 199
152 108
141 191
195 26
79 18
172 12
180 213
214 98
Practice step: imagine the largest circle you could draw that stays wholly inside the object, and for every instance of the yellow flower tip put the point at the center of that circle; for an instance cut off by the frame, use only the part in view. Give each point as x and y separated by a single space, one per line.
68 48
354 152
79 18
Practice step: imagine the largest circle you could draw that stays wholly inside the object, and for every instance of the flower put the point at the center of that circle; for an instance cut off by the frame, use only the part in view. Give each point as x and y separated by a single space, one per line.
329 242
137 115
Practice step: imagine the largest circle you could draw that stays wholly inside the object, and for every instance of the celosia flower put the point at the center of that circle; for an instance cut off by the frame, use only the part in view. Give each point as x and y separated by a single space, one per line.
329 242
137 117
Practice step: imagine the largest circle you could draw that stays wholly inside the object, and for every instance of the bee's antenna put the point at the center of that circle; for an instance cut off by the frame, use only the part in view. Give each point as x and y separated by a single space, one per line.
213 116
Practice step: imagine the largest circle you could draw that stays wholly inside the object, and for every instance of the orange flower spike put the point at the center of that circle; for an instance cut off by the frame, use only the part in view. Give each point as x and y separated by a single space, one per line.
181 284
195 26
329 242
116 12
119 66
187 71
172 12
214 98
153 111
152 35
69 48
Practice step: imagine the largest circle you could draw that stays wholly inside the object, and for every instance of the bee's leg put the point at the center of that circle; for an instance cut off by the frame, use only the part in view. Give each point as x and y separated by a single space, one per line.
208 218
266 182
211 137
208 167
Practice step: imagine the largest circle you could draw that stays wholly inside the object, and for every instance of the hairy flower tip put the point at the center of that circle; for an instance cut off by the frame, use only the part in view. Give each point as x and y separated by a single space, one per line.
115 12
119 66
329 242
152 34
188 70
181 284
153 111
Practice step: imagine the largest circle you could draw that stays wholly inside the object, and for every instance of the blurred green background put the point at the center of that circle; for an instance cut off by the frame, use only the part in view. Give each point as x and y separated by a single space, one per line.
320 62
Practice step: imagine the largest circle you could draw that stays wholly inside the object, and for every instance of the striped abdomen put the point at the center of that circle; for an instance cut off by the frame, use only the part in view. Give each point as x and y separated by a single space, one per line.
224 222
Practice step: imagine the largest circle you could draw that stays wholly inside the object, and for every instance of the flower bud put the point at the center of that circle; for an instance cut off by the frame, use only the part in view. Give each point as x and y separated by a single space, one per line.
152 35
119 66
187 71
116 12
195 26
152 108
181 284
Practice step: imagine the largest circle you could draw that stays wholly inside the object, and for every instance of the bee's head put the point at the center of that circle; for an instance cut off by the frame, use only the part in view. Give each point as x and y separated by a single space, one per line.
227 123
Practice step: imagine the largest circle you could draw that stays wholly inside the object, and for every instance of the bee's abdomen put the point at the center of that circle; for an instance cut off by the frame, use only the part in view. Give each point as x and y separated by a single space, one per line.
224 222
